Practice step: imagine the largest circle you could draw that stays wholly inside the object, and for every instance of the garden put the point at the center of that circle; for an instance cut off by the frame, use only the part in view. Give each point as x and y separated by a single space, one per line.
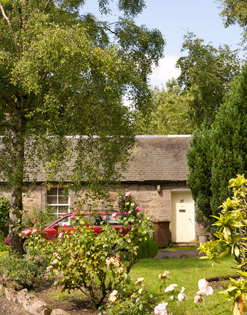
112 273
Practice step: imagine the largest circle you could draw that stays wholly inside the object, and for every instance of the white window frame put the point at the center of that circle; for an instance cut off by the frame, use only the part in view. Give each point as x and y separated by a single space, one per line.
57 205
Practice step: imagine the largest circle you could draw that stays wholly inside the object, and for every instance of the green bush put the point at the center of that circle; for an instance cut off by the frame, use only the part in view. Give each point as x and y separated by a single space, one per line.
21 270
4 214
2 245
148 248
42 218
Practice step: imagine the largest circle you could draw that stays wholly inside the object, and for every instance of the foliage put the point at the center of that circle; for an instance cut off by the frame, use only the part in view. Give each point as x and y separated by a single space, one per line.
21 270
37 217
138 300
64 73
89 262
169 113
2 244
205 76
219 152
148 248
231 237
234 12
4 214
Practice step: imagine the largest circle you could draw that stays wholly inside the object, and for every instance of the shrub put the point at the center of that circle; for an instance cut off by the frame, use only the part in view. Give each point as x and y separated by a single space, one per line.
4 214
2 244
231 238
89 262
42 218
21 270
148 248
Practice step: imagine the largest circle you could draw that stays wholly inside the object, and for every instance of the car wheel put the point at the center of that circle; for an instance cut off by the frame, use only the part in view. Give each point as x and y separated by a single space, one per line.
24 245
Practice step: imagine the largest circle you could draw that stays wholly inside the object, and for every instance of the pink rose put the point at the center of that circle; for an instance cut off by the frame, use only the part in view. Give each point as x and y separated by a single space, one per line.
204 288
197 299
28 232
128 194
114 215
73 215
61 235
161 309
65 225
138 208
104 218
34 220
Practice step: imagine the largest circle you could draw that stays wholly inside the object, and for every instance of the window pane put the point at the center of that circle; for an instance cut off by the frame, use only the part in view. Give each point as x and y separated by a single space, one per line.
61 191
52 200
63 200
52 191
62 210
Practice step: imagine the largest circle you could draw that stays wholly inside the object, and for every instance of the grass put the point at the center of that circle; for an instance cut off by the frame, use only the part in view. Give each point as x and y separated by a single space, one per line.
180 248
186 272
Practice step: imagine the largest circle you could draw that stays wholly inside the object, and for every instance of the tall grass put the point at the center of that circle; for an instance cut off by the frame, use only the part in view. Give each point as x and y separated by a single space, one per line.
186 272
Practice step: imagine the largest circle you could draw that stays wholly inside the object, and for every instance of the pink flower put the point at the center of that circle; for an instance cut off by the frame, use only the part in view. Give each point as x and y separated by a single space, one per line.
73 215
104 218
161 309
55 254
28 232
139 281
128 194
34 231
181 297
197 298
61 235
34 220
65 225
138 208
204 288
114 215
171 288
55 261
164 275
113 296
49 268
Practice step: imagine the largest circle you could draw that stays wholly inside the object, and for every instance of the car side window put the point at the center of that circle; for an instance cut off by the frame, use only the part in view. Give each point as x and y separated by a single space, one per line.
63 221
115 221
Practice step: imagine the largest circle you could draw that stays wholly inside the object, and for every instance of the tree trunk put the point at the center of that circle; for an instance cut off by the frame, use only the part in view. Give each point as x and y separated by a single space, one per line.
16 206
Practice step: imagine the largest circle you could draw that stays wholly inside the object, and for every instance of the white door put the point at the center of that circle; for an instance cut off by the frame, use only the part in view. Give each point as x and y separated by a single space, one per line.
183 217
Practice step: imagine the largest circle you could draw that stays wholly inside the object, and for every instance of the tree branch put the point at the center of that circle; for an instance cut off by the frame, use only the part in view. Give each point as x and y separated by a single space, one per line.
4 15
47 3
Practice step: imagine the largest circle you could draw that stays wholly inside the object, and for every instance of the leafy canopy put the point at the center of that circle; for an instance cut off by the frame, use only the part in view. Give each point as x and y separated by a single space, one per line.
169 113
65 74
205 76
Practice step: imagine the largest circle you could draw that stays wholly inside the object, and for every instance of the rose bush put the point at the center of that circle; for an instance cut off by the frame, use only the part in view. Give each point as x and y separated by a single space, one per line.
95 264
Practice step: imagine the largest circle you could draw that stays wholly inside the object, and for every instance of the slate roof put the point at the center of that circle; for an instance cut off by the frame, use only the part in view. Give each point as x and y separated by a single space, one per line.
158 158
154 158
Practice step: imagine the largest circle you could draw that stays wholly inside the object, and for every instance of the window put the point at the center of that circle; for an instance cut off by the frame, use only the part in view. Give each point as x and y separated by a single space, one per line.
58 200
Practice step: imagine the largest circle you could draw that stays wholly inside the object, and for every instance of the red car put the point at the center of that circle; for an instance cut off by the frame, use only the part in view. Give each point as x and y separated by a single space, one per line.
64 223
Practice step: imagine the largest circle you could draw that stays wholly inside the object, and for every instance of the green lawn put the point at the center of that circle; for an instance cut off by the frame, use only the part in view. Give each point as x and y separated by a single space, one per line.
186 272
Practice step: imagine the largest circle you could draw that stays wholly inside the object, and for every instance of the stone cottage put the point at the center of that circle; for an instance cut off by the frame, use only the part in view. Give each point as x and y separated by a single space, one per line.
156 175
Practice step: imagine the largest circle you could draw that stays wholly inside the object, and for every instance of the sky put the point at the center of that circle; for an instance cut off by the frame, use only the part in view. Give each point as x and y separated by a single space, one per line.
174 18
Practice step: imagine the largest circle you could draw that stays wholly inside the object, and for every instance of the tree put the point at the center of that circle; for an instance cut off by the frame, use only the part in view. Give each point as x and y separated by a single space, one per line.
62 74
219 153
234 12
169 112
205 76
